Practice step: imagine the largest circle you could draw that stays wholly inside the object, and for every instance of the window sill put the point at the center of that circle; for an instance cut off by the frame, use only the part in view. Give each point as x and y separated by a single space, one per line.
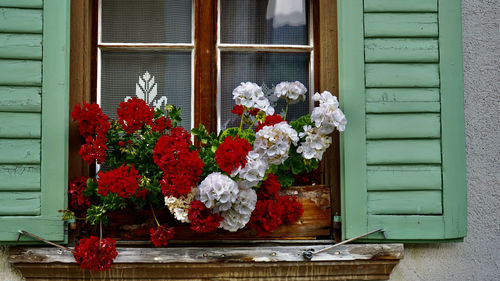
346 262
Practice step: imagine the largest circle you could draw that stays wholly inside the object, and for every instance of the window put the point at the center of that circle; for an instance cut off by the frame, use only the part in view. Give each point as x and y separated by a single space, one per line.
194 53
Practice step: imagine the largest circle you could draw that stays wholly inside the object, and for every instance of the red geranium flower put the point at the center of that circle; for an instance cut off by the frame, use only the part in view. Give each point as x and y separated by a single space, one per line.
160 124
270 188
292 209
94 254
270 120
202 220
77 201
266 217
133 114
161 235
238 110
142 193
90 119
181 167
94 150
232 153
122 181
254 111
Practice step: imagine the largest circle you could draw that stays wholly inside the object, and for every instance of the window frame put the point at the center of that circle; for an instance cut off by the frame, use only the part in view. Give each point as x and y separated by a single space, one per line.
323 28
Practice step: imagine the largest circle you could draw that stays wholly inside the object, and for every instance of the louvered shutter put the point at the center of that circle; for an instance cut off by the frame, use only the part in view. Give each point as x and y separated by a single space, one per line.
34 71
401 84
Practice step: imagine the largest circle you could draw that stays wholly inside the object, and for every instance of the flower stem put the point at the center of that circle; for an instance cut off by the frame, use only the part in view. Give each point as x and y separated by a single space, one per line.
22 232
286 110
153 212
241 121
253 123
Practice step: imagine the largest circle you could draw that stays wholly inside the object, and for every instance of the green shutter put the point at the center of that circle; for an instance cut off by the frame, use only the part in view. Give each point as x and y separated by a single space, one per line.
401 87
34 94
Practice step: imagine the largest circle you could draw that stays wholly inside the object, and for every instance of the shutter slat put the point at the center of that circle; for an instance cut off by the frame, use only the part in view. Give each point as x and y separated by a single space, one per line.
401 75
20 72
395 177
20 177
19 151
400 6
21 3
20 20
20 125
401 50
401 25
20 99
21 46
402 100
403 151
19 203
405 202
397 126
409 227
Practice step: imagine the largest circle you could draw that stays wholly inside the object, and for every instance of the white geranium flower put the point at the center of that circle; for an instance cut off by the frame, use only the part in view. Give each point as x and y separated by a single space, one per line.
293 92
328 116
239 215
250 95
315 143
253 172
218 192
273 142
179 207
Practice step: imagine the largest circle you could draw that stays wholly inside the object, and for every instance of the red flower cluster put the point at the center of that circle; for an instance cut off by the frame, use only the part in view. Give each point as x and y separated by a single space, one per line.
122 181
232 153
272 209
161 235
78 202
292 209
254 111
91 121
181 167
94 150
238 110
94 254
160 124
266 217
270 120
270 188
133 114
202 220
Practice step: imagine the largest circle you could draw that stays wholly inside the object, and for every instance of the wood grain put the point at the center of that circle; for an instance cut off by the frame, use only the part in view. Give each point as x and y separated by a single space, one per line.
21 46
20 20
401 50
20 203
20 125
405 202
20 177
401 25
20 99
19 151
20 72
380 100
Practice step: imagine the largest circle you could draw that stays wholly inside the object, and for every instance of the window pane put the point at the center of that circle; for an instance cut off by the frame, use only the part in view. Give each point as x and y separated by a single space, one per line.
264 22
146 21
265 69
123 74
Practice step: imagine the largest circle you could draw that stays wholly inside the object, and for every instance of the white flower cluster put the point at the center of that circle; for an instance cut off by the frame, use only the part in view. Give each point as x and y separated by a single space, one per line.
239 215
179 207
218 192
250 95
293 92
315 143
221 194
328 116
273 142
253 172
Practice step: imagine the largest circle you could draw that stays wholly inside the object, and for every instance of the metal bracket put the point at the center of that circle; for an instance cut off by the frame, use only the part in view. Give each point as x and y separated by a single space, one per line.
308 254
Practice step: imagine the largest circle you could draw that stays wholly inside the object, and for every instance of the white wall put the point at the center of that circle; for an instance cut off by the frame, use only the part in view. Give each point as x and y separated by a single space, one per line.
478 257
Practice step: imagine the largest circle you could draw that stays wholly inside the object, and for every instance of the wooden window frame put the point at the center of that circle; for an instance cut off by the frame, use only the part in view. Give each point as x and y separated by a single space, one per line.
84 82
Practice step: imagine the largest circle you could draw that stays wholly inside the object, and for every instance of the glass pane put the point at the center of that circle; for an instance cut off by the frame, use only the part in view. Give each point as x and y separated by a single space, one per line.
264 22
267 70
146 21
152 76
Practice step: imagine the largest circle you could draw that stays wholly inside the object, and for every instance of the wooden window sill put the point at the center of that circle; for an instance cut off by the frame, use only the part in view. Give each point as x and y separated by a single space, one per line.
346 262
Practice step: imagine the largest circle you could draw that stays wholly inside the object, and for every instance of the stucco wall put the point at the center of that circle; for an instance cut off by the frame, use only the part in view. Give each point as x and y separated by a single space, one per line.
478 258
